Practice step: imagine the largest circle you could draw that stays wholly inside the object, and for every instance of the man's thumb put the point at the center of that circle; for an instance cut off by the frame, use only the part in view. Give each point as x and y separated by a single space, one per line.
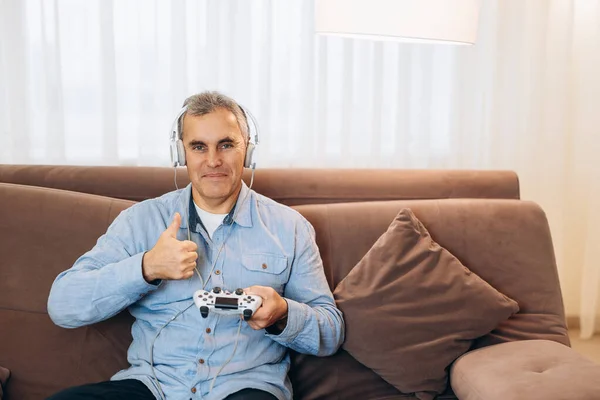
174 227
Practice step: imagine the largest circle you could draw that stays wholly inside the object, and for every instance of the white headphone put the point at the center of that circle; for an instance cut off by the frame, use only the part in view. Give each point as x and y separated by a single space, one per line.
178 151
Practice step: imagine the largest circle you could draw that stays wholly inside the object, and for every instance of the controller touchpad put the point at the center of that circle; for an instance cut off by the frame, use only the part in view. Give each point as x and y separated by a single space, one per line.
228 303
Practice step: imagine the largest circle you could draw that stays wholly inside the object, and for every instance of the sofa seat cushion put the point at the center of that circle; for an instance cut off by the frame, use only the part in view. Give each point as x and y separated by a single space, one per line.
338 377
411 308
527 370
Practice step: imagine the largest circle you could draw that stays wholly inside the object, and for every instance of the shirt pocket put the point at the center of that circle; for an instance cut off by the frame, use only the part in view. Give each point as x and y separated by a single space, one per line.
264 269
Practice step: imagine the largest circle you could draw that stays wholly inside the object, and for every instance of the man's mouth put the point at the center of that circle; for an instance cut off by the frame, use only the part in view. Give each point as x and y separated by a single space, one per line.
214 175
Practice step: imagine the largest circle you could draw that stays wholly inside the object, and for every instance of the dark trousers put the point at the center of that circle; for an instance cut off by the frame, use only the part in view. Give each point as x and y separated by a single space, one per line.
132 389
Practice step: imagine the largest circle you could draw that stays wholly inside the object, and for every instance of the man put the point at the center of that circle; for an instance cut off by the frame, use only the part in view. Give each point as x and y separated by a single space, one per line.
214 233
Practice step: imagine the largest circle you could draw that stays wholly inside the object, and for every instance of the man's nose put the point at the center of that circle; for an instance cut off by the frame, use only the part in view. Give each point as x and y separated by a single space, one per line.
214 158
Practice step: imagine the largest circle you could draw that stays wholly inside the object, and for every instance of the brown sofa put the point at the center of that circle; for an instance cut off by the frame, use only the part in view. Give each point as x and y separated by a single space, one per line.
51 215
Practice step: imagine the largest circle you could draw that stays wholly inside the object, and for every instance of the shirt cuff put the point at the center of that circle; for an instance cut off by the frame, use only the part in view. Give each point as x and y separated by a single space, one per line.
134 278
296 319
276 328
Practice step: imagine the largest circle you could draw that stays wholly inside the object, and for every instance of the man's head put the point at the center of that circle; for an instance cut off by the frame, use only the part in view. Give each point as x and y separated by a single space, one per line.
215 137
207 102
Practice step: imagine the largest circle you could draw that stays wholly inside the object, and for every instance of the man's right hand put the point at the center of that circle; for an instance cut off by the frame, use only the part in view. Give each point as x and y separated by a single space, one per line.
170 258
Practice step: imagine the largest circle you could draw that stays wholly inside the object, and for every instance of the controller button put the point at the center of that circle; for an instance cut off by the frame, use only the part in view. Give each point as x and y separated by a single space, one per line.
216 289
239 291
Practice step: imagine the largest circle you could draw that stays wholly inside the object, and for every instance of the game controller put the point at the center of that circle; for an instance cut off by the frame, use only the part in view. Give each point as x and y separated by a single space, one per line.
224 302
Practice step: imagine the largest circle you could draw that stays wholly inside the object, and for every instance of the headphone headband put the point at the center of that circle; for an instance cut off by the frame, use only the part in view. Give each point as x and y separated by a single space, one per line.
175 130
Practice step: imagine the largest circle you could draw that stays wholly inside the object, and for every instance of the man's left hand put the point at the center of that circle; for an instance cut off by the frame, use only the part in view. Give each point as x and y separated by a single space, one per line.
273 309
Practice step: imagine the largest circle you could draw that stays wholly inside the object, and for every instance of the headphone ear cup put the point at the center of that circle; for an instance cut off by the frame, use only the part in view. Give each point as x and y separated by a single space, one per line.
249 152
180 153
173 153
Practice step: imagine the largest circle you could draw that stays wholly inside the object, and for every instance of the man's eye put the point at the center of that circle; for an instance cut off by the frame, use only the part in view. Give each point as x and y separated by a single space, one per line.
227 146
198 147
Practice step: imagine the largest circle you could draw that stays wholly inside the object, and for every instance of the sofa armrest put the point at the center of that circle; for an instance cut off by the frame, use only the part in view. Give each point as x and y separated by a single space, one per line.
530 369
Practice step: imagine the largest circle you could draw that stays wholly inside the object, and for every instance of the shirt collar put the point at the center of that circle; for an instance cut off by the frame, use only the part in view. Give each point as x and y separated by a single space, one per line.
243 216
181 207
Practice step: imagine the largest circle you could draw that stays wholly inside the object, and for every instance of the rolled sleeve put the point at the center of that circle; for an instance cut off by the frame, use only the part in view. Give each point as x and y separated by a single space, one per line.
129 281
296 319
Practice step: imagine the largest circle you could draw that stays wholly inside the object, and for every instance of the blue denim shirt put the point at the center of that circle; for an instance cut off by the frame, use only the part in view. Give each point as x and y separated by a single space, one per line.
267 244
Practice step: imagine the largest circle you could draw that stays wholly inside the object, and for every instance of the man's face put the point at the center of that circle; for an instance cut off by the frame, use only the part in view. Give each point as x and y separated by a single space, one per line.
214 152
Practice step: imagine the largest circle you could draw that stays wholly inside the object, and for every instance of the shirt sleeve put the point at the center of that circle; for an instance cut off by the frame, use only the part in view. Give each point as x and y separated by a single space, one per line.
103 281
315 325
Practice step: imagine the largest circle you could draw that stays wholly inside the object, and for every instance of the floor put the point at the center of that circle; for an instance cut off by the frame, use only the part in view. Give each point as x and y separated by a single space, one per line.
589 348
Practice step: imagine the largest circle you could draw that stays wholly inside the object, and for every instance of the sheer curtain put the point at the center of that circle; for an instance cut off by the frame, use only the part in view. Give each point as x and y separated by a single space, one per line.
99 82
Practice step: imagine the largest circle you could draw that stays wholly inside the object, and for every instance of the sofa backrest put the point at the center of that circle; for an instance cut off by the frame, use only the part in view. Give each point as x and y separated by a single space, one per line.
43 231
505 242
287 186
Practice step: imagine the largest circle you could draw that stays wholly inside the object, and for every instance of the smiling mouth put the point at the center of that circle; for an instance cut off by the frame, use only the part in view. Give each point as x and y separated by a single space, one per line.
214 175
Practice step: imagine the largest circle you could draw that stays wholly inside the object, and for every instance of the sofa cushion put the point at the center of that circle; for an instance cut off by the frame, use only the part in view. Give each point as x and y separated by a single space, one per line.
345 378
411 308
505 242
46 230
528 370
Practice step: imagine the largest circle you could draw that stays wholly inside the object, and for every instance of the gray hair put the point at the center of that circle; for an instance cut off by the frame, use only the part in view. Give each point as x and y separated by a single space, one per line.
207 102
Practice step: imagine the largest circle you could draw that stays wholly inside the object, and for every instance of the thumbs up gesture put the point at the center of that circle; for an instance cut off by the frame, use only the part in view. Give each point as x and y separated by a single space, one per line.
170 258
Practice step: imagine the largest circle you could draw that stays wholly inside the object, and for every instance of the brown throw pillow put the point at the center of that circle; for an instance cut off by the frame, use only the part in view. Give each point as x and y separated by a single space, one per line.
412 308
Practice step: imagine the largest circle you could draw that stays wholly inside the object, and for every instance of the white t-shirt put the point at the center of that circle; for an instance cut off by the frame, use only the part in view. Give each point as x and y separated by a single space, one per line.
211 221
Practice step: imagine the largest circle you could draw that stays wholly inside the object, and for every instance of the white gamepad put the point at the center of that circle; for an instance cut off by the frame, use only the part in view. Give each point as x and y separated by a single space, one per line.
224 302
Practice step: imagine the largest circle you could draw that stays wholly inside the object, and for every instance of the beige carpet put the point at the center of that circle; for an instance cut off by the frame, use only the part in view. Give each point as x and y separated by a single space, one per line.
589 348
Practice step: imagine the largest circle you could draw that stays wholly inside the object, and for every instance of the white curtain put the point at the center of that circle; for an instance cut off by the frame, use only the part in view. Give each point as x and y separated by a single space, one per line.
99 82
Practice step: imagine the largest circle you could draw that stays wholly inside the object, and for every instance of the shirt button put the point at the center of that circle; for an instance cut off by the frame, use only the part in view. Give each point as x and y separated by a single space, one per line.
193 390
264 266
217 272
201 361
208 330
